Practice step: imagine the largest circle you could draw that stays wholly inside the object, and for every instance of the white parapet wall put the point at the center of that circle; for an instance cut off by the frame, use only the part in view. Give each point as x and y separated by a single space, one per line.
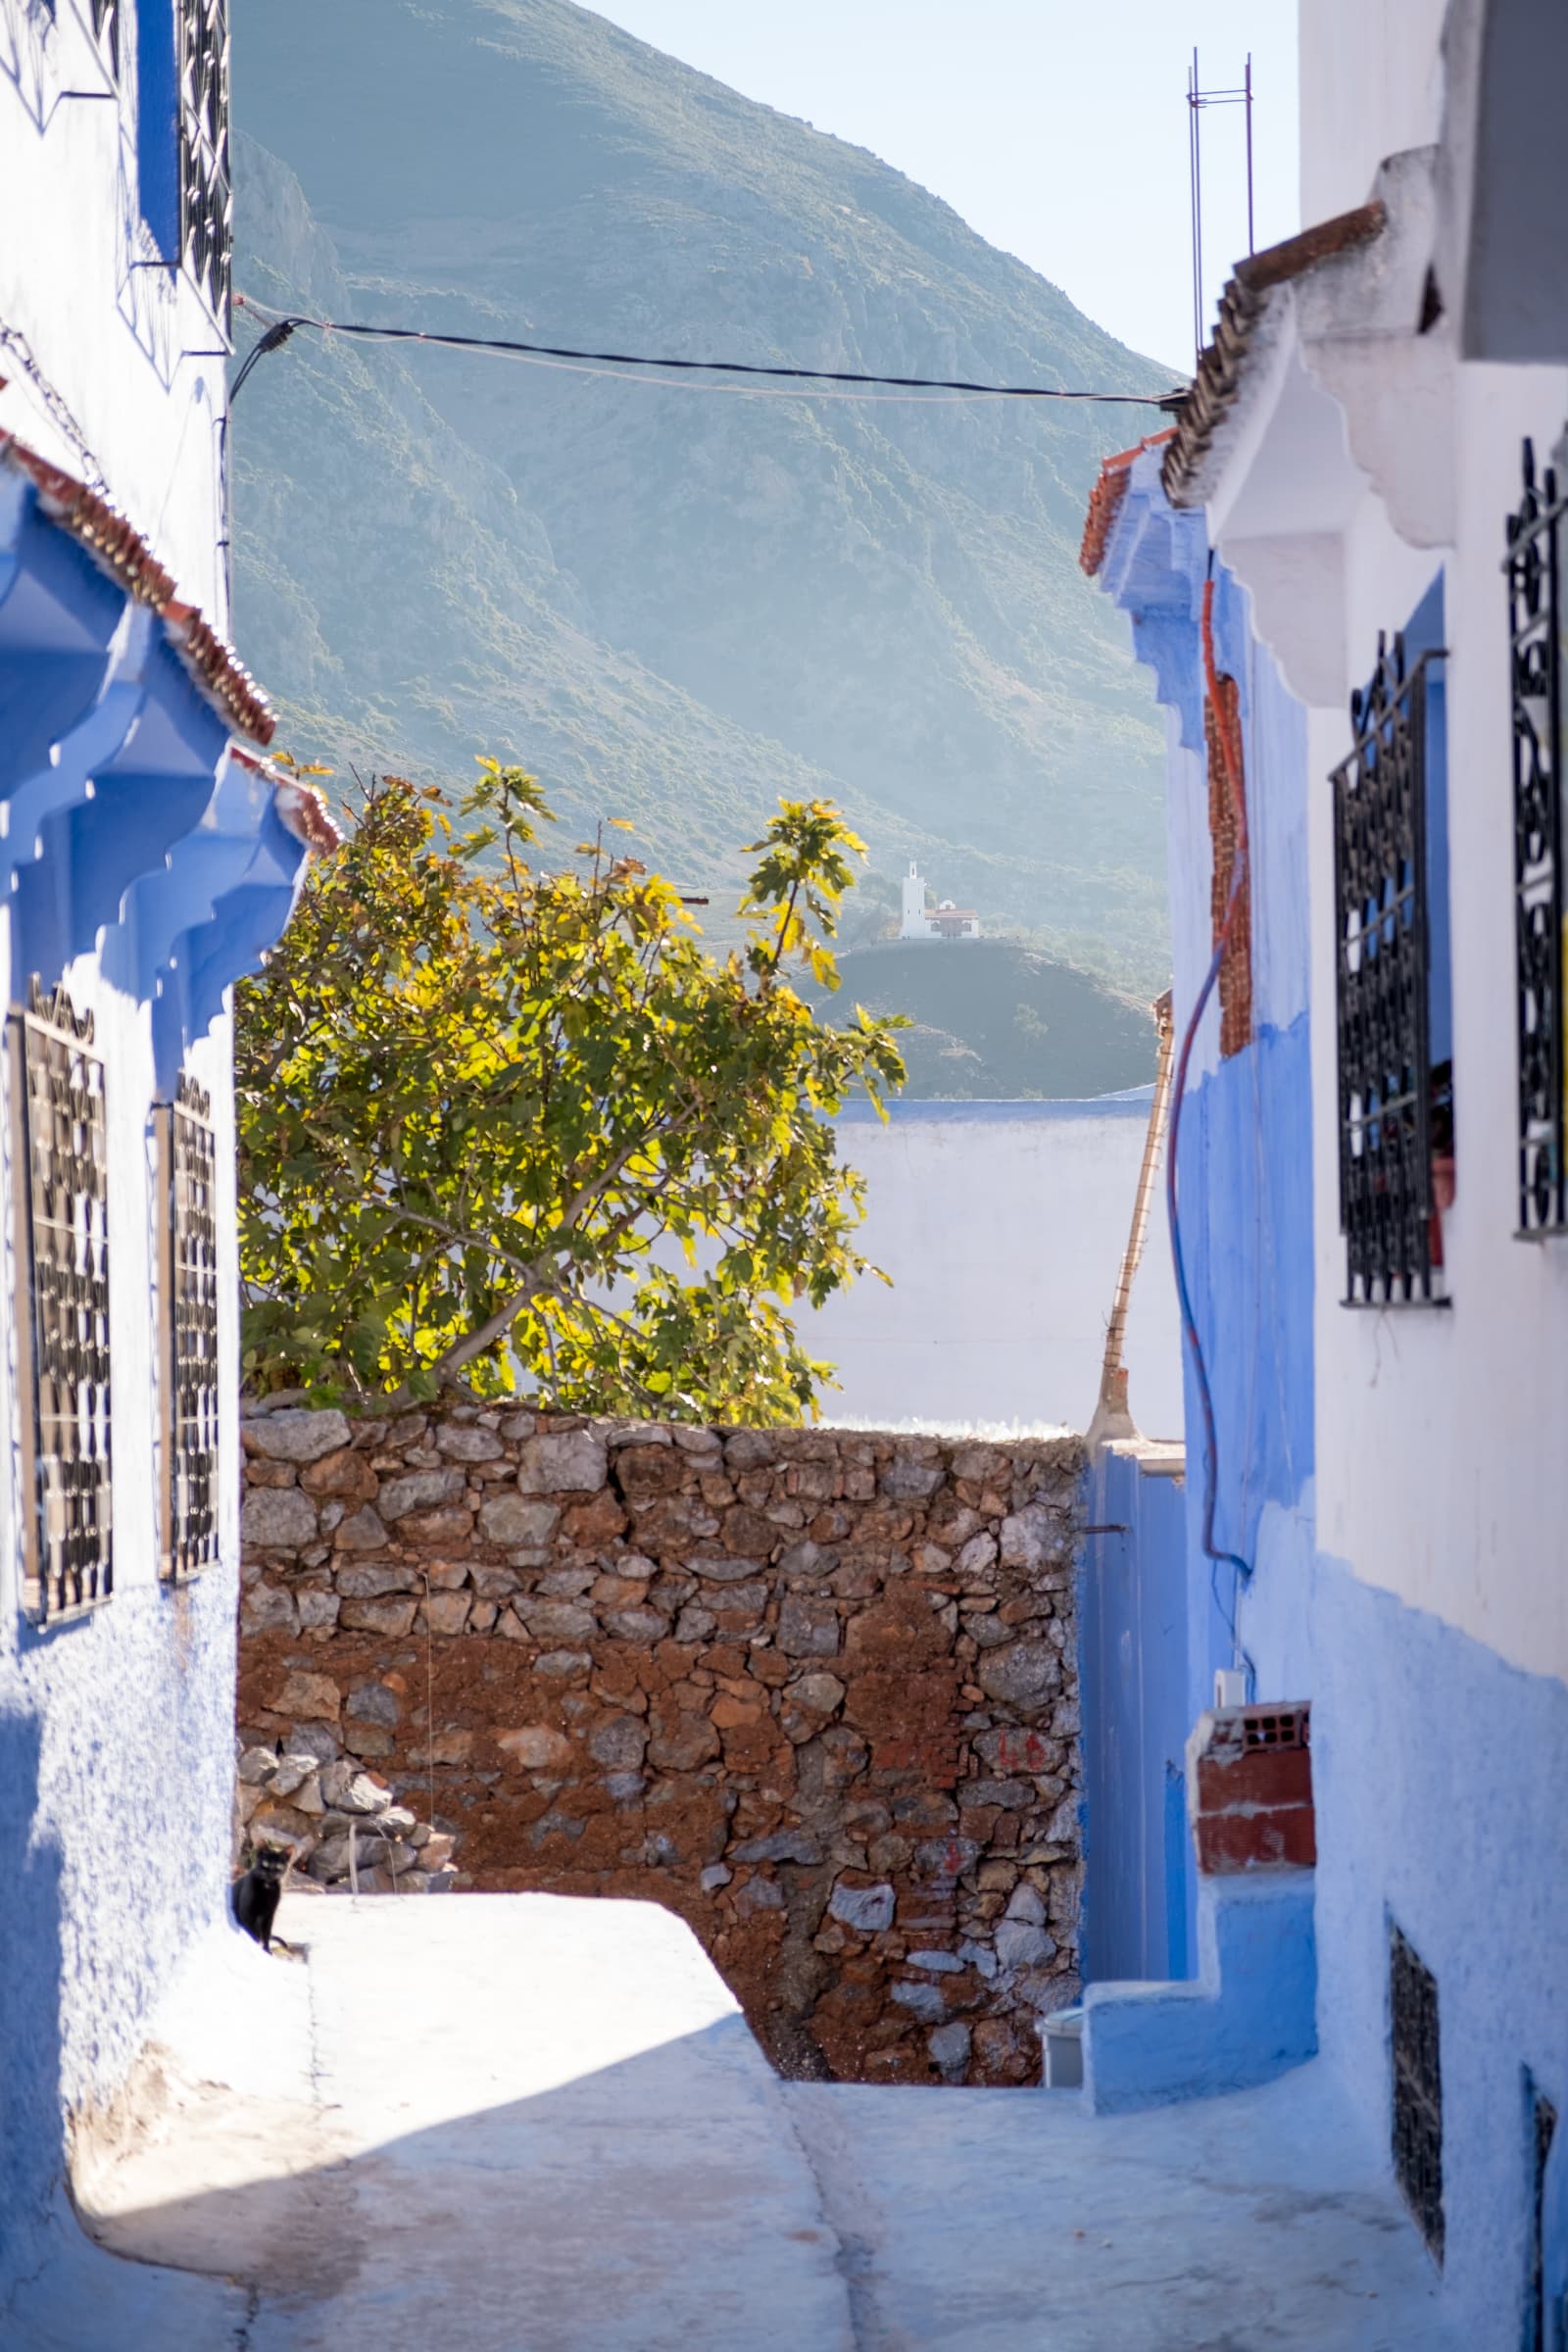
1003 1226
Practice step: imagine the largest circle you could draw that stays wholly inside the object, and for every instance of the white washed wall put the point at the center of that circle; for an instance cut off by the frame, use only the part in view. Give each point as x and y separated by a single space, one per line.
1440 1476
115 1731
1371 82
1003 1226
129 349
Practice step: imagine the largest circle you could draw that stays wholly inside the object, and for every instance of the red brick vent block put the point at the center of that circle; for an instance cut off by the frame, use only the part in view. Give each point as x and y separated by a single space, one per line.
1249 1790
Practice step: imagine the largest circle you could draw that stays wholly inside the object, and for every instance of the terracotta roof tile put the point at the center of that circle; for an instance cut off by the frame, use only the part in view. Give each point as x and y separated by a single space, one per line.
1224 363
303 810
119 548
1104 500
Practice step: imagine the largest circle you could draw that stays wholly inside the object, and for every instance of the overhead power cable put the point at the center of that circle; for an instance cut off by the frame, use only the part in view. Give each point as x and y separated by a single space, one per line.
283 327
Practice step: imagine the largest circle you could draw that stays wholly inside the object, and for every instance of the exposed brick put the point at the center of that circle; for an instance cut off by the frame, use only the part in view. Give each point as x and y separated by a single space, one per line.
1259 1776
1278 1839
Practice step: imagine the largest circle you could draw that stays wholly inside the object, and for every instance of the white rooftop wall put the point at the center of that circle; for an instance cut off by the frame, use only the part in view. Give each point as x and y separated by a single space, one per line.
1003 1226
1371 84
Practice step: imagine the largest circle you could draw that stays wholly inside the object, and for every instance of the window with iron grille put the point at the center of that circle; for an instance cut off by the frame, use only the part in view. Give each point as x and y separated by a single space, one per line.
60 1205
1395 1071
206 207
1236 964
187 1156
1535 638
1417 2135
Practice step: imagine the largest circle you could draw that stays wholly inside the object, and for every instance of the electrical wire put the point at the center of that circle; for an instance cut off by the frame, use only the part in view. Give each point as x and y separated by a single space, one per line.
1216 1554
283 327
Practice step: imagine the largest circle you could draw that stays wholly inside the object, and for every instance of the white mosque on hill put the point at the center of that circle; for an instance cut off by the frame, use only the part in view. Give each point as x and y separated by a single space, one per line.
942 921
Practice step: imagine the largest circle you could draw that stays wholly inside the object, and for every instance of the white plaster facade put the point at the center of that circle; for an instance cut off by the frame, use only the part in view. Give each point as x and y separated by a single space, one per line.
1363 459
1412 1588
1003 1226
143 867
1371 84
129 345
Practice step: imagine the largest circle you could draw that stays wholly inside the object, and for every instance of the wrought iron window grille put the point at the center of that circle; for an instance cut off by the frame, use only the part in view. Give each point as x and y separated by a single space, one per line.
61 1256
1535 663
206 204
1395 1111
188 1288
1417 2124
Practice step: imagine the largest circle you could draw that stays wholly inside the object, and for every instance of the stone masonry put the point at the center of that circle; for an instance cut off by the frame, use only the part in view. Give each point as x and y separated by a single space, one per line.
817 1691
343 1830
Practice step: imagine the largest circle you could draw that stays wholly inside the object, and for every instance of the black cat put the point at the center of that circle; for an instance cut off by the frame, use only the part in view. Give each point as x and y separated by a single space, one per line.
255 1894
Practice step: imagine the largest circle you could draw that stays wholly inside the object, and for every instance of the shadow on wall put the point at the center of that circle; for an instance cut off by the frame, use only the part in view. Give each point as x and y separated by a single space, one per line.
31 2125
59 2291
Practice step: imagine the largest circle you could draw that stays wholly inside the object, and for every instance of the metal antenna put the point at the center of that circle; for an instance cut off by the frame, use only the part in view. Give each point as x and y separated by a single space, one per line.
1195 188
1196 99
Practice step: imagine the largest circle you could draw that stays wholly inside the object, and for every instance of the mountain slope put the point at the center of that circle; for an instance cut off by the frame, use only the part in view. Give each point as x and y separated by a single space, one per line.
993 1020
675 604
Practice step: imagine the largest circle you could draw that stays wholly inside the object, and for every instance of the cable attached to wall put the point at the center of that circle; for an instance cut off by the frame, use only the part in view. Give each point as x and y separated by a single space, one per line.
1230 753
283 327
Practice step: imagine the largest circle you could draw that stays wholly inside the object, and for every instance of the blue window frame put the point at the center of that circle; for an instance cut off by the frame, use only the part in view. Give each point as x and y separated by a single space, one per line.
182 140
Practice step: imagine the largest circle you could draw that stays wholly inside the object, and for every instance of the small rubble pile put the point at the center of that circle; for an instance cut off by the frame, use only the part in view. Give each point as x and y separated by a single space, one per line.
344 1828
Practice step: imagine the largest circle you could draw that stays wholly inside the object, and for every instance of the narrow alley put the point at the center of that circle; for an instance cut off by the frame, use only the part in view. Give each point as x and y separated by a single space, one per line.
529 2124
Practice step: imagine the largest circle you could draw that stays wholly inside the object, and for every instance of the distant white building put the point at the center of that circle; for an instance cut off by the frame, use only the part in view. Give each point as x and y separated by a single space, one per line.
942 921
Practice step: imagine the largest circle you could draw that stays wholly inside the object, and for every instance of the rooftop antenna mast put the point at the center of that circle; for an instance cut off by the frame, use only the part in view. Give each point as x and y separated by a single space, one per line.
1196 99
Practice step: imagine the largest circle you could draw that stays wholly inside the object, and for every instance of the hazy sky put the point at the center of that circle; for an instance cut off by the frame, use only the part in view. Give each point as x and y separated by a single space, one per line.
1057 127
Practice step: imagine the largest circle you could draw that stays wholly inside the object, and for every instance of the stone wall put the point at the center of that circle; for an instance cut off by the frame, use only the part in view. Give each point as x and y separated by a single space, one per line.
815 1691
343 1828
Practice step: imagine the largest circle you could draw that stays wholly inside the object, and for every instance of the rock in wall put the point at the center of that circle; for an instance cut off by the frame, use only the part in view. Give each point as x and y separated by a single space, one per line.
816 1690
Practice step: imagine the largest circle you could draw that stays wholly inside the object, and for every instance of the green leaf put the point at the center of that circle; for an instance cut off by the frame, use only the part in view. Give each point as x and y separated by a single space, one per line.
473 1100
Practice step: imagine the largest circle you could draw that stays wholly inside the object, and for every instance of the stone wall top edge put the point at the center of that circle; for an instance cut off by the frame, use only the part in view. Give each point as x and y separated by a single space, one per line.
1063 1449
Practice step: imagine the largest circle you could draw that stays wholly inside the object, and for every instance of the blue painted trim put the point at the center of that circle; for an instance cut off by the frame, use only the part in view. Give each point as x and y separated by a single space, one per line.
157 125
128 828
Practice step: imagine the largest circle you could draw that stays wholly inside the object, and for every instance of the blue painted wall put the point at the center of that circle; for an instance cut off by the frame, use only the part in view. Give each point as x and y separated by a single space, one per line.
1138 1918
1439 1769
1439 1774
147 869
116 1786
1158 1613
1246 1204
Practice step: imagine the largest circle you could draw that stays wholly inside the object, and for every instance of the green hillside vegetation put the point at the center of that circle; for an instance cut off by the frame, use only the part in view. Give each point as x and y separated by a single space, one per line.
996 1021
675 606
